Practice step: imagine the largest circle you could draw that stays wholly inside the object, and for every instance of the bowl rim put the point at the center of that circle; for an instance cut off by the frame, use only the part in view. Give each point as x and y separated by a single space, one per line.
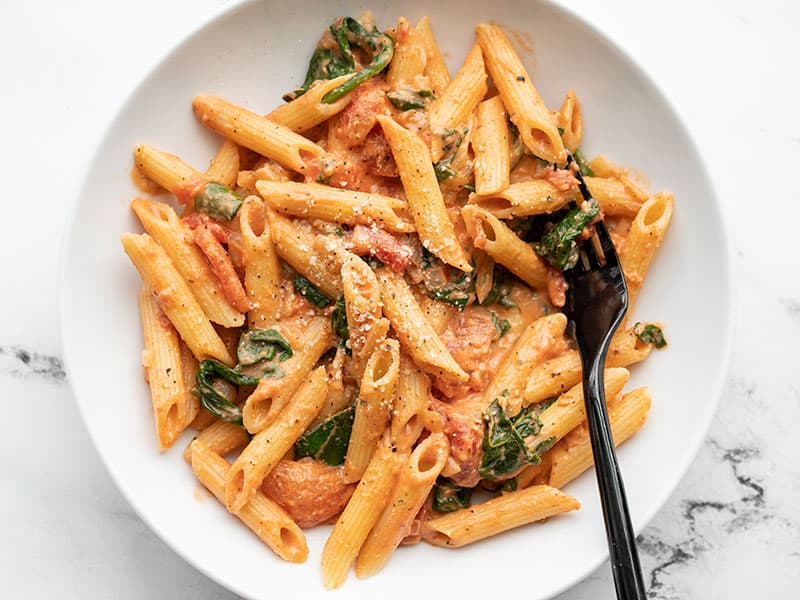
726 273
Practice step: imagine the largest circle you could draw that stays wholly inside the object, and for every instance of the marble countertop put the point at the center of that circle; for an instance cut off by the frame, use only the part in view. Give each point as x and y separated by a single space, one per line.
730 530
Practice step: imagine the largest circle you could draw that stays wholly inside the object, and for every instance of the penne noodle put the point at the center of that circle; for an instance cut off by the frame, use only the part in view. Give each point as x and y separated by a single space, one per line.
497 515
189 367
308 111
169 171
362 301
269 445
570 119
415 481
409 58
265 518
161 222
435 67
360 515
458 100
558 374
258 133
312 200
614 197
523 199
526 108
296 246
490 143
221 438
644 238
162 363
410 404
573 455
568 411
373 407
262 272
425 201
174 297
499 241
271 396
415 333
533 346
224 168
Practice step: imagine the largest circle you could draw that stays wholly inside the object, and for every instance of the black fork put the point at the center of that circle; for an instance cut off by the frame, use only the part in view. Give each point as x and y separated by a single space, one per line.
597 300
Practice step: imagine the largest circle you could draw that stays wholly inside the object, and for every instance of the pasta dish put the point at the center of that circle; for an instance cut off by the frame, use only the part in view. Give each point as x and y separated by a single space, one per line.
356 305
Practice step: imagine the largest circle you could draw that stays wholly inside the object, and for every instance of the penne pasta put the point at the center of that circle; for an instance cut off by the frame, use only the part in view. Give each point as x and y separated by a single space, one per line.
269 445
174 297
258 133
490 143
373 407
162 363
558 374
409 59
568 411
425 201
308 111
458 100
169 171
539 340
224 167
312 200
644 238
161 222
265 518
570 120
614 197
497 515
415 481
491 235
360 515
523 199
573 455
362 301
262 274
435 67
526 108
221 438
296 246
413 330
271 396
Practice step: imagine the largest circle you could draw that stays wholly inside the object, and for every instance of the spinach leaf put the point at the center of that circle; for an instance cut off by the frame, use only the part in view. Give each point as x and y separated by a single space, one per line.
517 147
650 334
447 496
455 293
329 63
375 43
501 325
218 201
501 289
329 440
444 168
583 164
307 289
409 99
558 246
510 485
256 345
504 449
339 322
207 373
469 187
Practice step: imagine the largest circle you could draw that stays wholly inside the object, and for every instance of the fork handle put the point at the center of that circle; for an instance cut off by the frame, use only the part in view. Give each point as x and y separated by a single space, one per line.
619 531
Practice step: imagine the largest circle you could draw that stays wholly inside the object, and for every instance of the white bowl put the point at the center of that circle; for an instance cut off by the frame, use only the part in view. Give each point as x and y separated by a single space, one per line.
251 55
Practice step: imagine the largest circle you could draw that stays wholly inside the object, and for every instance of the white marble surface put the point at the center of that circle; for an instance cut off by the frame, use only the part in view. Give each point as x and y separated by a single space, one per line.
731 529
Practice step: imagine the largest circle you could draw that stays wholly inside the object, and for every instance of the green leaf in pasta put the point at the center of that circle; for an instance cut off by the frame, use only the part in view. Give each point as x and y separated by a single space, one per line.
650 334
309 291
329 440
558 246
447 496
218 201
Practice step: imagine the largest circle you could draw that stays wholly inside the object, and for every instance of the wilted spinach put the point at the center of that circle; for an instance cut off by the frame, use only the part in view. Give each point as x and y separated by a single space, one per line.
329 440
